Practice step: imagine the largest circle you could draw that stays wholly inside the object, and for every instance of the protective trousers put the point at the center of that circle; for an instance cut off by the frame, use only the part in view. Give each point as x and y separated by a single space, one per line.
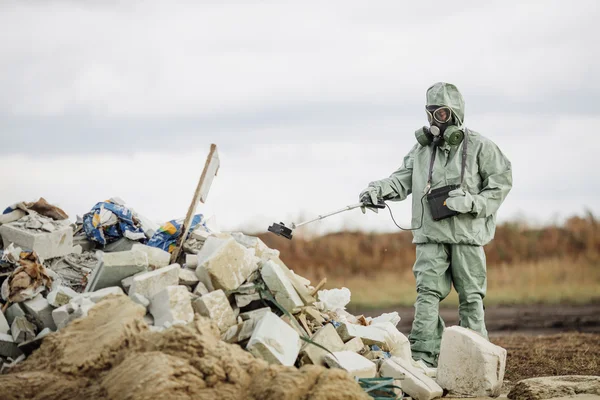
437 267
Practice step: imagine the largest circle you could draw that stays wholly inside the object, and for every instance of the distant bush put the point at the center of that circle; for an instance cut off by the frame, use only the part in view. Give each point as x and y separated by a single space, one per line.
367 254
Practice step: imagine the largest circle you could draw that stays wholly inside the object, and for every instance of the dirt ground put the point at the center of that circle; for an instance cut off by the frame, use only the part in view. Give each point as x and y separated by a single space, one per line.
541 340
550 355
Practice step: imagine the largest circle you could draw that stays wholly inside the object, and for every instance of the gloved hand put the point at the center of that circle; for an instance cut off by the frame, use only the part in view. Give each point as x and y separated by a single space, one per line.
460 201
369 196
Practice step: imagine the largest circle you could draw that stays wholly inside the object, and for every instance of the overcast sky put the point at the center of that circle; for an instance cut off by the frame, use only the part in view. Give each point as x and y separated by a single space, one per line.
307 101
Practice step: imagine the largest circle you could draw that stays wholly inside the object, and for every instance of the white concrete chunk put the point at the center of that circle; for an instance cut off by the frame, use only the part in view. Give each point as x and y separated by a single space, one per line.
60 316
172 305
14 311
141 300
356 345
242 300
215 306
274 341
114 267
41 311
414 382
239 332
261 250
8 347
469 365
4 327
102 293
126 283
200 289
157 258
60 295
227 263
326 337
355 364
191 261
279 284
255 314
22 330
46 244
368 334
187 277
150 283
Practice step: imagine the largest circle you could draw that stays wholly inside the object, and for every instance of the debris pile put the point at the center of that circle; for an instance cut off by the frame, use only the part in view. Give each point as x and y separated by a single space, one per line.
232 283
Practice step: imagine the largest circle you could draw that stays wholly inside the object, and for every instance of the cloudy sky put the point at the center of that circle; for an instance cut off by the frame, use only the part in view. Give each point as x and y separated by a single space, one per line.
307 101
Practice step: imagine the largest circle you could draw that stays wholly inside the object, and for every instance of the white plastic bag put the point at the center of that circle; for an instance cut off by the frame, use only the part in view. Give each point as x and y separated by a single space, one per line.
333 299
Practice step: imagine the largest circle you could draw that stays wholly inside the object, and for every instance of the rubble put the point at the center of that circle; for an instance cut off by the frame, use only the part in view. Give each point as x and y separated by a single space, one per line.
114 267
232 289
413 382
47 238
226 263
274 341
357 365
469 365
215 306
22 330
150 283
280 286
172 305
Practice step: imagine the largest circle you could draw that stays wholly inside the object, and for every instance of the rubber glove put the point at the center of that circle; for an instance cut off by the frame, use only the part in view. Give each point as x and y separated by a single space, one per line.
369 195
460 201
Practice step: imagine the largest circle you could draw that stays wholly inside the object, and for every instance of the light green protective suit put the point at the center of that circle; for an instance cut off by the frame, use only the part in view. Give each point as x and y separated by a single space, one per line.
450 251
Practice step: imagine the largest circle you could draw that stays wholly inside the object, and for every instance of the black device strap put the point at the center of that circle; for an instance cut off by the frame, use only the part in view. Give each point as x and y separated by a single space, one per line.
463 162
464 157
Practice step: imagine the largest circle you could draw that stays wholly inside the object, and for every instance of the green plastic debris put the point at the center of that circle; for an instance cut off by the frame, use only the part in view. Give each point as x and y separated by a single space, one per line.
380 388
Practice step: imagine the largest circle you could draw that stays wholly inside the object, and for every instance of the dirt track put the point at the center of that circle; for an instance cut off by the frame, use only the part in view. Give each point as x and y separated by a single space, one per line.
533 319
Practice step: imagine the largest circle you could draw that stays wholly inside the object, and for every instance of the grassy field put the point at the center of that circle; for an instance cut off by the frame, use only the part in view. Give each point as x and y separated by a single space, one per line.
550 281
553 264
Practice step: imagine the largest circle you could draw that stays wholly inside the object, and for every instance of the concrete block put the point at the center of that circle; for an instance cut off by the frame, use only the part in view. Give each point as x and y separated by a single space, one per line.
14 311
187 277
114 267
355 364
60 316
469 365
274 341
369 335
22 330
204 278
8 347
191 261
215 306
99 295
261 250
141 300
41 312
239 332
122 244
279 284
126 283
171 305
151 283
157 258
61 295
414 382
227 263
326 337
255 314
356 345
46 244
242 300
200 289
4 327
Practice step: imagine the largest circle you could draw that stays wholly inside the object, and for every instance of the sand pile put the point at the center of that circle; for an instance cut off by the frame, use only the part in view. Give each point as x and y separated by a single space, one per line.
112 354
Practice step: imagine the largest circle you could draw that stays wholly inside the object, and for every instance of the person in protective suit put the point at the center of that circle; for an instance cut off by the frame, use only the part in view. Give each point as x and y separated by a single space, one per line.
473 177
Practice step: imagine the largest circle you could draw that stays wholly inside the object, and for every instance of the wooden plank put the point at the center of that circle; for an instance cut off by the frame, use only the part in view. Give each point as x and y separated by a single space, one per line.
211 168
319 286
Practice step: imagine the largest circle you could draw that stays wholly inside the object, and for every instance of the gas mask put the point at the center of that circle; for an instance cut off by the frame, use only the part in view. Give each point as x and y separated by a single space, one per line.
441 128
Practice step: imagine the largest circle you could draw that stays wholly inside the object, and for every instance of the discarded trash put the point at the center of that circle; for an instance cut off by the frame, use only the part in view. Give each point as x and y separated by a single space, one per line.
107 222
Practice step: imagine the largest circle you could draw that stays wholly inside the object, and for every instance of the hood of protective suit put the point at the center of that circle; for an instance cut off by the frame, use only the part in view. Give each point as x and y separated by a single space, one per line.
446 94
